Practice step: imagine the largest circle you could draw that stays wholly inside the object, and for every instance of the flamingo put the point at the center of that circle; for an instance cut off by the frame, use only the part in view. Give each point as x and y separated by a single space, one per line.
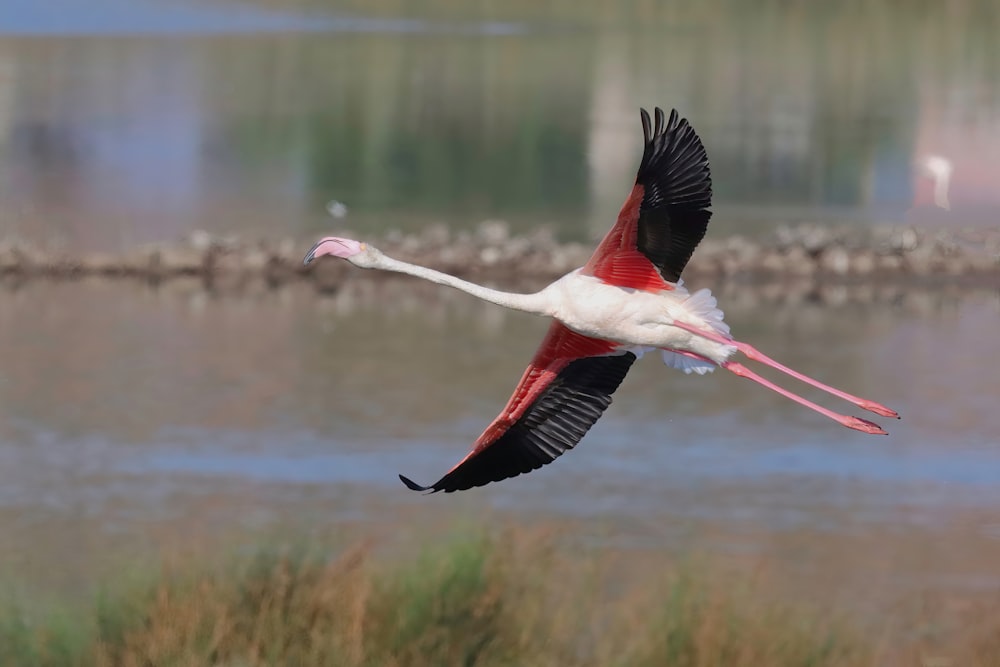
628 299
939 169
933 207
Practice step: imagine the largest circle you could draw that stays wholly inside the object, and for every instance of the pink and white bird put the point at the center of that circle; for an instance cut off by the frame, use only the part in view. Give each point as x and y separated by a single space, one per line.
627 300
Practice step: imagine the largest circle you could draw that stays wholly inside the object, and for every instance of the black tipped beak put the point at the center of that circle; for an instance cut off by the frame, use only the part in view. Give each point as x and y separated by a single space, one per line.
311 255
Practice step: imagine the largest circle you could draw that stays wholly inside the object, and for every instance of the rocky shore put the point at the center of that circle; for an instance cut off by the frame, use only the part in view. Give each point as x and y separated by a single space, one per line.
802 253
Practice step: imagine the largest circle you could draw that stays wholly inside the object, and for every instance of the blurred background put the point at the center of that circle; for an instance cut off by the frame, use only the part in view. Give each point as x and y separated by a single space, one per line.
123 122
137 421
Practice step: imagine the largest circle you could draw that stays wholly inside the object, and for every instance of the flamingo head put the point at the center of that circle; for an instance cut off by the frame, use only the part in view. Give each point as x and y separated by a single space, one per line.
355 252
937 166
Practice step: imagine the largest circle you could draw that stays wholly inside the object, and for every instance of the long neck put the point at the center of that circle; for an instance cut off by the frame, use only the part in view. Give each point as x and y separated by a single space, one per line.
537 303
941 182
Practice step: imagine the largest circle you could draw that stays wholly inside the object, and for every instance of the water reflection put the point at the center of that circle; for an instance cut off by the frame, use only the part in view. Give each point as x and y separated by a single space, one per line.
342 360
109 142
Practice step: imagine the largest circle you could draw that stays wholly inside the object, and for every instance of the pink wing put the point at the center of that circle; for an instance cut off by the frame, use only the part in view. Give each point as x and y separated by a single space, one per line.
665 215
564 391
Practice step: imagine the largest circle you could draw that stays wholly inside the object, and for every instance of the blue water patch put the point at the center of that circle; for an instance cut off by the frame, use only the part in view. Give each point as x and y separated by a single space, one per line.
276 468
620 467
728 448
280 458
160 17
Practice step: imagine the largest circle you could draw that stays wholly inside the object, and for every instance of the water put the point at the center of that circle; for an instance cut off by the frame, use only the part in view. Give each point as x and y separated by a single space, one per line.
134 418
120 126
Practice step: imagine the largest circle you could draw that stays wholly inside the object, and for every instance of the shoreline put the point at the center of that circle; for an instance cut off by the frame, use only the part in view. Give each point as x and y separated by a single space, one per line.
803 253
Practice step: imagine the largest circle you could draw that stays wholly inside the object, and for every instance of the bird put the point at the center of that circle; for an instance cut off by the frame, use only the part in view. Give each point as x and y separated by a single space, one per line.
940 170
628 300
931 204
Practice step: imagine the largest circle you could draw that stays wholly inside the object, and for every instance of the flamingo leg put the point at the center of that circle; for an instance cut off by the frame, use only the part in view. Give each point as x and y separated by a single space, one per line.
856 423
756 355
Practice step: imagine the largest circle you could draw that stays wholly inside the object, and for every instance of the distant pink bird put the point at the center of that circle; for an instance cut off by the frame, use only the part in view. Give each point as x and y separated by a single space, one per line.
627 300
931 205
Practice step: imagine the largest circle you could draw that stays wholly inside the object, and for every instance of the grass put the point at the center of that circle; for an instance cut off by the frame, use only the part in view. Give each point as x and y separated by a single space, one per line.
505 599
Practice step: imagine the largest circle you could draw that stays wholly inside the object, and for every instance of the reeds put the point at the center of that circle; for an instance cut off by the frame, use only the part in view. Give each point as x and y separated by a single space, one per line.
505 599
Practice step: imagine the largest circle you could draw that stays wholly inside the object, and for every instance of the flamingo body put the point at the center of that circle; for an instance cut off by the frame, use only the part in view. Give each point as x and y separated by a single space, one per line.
628 299
638 318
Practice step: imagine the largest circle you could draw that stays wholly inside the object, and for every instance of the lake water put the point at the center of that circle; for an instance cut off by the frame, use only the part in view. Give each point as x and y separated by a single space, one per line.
136 421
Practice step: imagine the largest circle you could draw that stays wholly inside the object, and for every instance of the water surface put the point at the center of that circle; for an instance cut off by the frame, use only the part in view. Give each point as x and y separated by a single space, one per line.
133 417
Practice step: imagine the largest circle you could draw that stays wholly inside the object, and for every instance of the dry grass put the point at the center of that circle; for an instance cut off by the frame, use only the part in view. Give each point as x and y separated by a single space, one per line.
511 599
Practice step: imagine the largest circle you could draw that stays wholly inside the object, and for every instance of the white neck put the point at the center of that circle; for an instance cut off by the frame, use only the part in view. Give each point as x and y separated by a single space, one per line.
537 303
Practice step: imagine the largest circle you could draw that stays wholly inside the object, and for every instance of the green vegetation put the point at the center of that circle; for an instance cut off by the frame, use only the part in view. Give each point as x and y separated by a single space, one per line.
502 600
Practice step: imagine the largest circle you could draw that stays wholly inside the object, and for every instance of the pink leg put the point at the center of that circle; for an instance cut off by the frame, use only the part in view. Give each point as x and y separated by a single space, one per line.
856 423
756 355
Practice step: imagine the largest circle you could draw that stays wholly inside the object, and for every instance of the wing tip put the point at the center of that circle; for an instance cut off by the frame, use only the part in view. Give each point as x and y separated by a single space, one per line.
674 149
413 486
659 123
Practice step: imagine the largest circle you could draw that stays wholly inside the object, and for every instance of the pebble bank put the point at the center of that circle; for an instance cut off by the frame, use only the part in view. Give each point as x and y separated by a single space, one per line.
490 252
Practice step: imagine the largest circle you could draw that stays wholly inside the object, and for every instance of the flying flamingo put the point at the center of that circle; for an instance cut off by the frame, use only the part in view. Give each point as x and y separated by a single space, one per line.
628 299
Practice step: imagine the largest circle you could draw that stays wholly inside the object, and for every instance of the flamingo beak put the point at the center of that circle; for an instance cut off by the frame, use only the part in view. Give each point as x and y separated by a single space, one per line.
311 255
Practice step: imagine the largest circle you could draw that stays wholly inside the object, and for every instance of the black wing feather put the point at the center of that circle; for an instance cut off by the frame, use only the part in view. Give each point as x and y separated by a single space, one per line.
557 420
677 193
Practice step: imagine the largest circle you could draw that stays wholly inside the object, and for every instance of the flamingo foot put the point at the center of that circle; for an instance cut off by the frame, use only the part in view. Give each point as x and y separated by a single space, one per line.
877 408
863 425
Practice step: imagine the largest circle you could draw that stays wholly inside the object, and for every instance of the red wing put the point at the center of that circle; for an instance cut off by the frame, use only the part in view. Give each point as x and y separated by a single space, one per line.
564 391
666 214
